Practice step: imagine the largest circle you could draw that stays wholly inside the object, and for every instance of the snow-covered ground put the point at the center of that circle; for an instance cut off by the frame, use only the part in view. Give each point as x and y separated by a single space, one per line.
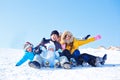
8 70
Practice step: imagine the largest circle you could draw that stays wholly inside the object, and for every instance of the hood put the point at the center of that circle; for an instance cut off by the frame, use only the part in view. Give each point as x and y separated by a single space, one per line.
64 35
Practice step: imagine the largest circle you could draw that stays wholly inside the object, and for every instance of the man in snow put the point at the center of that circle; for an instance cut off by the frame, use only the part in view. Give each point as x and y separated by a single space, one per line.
54 38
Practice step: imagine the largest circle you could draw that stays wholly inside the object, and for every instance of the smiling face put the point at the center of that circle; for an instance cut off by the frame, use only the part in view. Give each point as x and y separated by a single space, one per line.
67 37
29 49
54 37
50 46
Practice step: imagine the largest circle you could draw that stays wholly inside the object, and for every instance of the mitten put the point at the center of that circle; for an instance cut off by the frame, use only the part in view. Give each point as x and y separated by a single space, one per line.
43 48
97 37
59 50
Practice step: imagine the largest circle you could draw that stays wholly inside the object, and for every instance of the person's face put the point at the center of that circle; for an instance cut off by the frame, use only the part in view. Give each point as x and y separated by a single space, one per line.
54 37
67 39
29 49
51 49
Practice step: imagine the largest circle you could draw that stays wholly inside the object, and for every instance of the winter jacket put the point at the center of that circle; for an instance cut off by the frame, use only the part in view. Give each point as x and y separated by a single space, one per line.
74 43
45 41
52 57
27 56
77 43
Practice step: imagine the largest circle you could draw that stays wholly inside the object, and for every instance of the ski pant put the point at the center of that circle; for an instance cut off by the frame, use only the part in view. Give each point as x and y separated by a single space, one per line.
74 55
90 59
39 59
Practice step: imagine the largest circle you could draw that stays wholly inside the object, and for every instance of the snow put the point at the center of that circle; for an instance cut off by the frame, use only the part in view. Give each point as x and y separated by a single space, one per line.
8 70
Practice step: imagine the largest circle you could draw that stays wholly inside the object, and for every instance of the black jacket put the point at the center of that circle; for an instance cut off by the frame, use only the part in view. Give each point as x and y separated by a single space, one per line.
45 41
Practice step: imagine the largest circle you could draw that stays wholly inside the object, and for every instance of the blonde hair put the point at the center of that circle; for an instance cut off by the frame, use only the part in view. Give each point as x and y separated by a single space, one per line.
65 33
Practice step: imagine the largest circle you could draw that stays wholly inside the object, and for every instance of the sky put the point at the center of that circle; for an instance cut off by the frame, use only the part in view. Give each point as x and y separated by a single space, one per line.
31 20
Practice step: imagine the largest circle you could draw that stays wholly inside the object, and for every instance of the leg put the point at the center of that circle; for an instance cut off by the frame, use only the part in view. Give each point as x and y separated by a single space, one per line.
75 55
67 54
37 62
90 59
104 58
34 64
65 63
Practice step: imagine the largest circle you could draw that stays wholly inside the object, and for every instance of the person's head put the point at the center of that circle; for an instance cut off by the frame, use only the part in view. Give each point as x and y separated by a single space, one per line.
50 46
54 35
28 46
67 37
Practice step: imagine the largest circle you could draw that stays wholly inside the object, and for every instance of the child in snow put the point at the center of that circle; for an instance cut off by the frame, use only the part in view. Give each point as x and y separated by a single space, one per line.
50 56
29 54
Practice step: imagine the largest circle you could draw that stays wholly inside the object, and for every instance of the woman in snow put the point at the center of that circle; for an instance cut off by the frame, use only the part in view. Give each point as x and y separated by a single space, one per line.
71 45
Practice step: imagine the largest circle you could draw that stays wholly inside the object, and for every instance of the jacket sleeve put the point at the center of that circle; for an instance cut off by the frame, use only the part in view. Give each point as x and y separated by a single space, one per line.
24 59
82 42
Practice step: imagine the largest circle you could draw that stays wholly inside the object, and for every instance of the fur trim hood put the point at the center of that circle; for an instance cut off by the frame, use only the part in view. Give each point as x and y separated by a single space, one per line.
64 35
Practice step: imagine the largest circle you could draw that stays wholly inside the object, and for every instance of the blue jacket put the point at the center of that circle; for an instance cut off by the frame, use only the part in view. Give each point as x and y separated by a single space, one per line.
27 56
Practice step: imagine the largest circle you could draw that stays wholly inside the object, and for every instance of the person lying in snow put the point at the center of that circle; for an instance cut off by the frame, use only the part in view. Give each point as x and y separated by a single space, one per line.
29 54
70 45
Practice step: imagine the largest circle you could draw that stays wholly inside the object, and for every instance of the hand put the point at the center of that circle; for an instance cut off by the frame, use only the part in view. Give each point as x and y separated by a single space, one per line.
59 50
43 48
97 37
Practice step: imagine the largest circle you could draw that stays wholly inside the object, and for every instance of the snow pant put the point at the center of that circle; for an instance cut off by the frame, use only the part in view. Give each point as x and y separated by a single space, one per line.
38 61
90 59
74 55
63 59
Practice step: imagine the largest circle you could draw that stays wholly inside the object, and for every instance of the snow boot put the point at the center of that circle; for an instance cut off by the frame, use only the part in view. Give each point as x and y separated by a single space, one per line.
57 65
73 62
67 65
103 59
34 64
47 64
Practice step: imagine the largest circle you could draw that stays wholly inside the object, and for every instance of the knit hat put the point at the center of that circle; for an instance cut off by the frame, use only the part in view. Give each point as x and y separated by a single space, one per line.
50 45
27 45
55 32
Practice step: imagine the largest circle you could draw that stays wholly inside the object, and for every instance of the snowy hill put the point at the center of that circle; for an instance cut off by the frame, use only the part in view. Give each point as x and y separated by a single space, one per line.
110 71
117 48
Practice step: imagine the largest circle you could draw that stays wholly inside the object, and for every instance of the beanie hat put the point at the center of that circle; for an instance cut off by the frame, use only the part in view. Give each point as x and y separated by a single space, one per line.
55 32
27 45
50 45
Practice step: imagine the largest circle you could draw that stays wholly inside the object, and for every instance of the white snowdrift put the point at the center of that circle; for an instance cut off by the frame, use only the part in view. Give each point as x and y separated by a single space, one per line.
8 70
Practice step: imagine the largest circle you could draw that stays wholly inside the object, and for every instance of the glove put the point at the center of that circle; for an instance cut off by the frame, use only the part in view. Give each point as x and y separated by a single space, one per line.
59 50
97 37
43 48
